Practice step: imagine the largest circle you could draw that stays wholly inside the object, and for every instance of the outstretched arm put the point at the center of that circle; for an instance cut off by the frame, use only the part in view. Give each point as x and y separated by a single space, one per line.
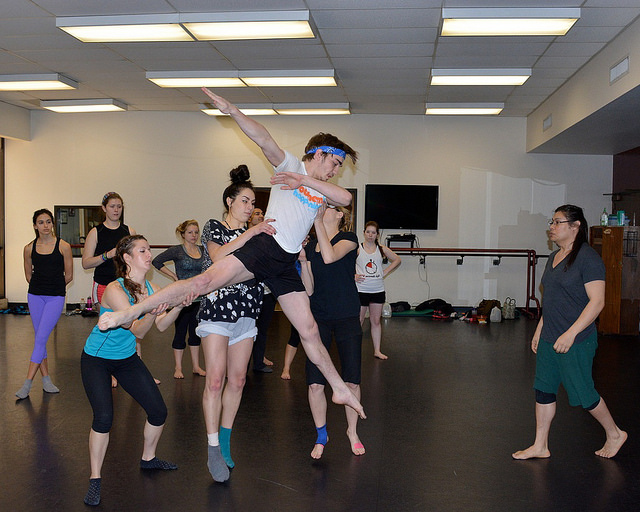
252 129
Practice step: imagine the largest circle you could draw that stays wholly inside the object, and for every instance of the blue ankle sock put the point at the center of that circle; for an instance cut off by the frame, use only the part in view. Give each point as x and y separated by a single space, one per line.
225 446
322 435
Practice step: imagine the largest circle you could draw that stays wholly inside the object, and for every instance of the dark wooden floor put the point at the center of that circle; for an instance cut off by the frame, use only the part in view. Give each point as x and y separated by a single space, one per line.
445 413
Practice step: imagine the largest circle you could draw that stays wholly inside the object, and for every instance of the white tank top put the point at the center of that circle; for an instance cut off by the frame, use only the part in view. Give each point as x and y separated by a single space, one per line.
370 266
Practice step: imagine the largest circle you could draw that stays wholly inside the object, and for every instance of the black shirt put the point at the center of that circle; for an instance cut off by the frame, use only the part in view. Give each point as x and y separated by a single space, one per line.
107 240
335 295
47 277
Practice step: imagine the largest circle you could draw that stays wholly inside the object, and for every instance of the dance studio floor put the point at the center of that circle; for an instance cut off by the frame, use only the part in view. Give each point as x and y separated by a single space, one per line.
445 412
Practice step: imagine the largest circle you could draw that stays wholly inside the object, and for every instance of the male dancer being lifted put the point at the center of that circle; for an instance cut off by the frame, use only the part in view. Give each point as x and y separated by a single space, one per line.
300 188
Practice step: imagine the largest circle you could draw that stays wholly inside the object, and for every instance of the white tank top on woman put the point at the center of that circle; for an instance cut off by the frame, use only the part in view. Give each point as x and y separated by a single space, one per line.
370 266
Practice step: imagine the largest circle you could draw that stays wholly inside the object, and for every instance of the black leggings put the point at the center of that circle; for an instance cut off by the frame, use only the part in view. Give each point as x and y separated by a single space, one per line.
186 322
135 379
348 335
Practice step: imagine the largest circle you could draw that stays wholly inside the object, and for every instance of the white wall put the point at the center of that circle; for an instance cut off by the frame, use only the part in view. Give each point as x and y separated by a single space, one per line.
173 166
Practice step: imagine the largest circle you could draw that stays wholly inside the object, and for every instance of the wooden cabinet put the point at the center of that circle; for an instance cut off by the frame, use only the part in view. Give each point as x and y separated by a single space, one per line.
618 247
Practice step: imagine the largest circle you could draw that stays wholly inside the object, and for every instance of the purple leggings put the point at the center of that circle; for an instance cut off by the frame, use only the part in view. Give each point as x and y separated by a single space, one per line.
45 311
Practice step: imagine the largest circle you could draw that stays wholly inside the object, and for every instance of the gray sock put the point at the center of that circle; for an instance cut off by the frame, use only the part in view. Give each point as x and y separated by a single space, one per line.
23 392
93 494
48 386
216 464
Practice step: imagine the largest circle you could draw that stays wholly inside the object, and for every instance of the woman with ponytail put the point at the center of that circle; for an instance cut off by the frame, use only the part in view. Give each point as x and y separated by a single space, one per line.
566 339
227 321
48 268
112 353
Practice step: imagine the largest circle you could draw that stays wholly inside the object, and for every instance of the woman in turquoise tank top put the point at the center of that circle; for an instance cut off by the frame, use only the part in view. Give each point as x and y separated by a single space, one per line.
112 353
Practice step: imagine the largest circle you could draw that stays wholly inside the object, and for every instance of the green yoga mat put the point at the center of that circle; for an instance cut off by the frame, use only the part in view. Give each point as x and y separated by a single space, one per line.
413 312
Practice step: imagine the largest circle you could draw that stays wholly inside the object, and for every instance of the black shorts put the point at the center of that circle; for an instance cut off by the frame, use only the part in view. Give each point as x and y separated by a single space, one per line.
271 264
372 298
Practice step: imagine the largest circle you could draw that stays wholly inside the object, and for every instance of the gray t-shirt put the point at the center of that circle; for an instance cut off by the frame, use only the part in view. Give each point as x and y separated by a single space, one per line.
564 294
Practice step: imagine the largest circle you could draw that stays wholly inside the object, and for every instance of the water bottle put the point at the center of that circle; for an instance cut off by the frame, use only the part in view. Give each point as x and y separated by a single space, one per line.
604 218
89 304
386 310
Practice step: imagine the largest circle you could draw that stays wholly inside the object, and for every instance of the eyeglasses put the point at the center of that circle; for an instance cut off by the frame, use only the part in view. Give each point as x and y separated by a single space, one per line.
555 222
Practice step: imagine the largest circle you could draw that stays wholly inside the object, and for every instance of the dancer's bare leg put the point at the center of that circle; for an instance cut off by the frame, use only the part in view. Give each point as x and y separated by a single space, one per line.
177 355
227 271
195 360
98 443
363 313
151 437
352 423
295 306
238 356
289 354
215 348
375 314
318 404
615 437
540 448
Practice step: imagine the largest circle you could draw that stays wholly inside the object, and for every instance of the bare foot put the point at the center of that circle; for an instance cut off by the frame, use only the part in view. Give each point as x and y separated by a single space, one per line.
114 382
267 362
356 445
346 397
612 446
380 355
318 450
532 452
157 381
199 371
285 374
177 374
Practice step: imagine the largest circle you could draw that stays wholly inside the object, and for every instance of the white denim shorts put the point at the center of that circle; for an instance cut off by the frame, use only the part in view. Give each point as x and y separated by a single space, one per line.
239 330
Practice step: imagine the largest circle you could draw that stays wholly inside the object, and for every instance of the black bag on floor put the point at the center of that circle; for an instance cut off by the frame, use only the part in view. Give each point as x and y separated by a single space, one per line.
399 307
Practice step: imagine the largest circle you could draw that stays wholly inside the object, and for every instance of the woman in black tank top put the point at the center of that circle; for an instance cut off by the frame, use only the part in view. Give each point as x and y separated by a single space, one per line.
99 247
48 268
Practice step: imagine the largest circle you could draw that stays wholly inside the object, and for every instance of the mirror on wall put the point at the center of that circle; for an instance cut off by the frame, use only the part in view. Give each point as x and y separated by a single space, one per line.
74 222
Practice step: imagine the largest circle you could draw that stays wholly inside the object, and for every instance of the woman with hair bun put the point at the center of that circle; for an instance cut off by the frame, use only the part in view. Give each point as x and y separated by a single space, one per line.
565 340
48 268
112 353
227 321
187 260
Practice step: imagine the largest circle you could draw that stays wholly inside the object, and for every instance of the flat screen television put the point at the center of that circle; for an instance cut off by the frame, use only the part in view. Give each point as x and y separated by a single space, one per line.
402 206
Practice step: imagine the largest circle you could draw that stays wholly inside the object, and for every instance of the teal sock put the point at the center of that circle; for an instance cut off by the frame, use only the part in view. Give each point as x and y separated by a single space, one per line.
322 435
225 446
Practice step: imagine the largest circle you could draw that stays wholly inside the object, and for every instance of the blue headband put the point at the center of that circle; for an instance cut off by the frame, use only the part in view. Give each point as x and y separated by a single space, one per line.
329 149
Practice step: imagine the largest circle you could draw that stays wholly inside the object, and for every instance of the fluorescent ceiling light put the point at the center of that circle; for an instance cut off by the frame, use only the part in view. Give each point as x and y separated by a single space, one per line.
248 25
294 78
464 109
95 105
186 26
516 76
247 110
545 21
42 82
195 78
300 109
312 109
129 28
289 78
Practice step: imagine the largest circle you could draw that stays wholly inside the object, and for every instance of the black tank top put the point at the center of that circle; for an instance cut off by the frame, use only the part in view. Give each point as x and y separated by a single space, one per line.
107 240
47 276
